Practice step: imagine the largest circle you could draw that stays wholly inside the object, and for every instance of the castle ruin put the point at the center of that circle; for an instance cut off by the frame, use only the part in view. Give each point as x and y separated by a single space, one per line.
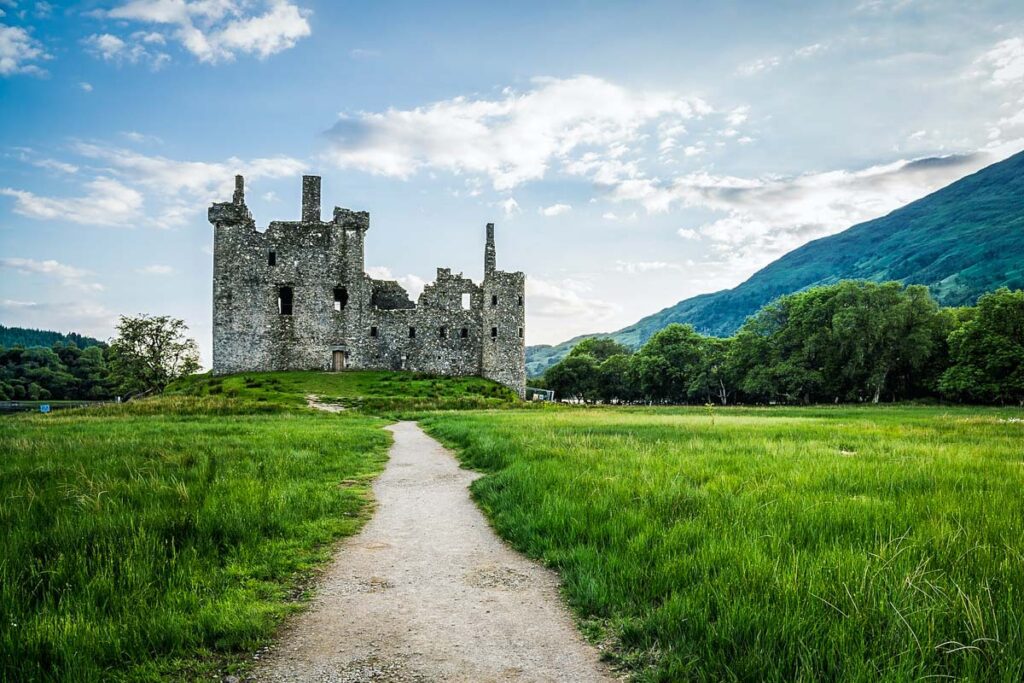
296 297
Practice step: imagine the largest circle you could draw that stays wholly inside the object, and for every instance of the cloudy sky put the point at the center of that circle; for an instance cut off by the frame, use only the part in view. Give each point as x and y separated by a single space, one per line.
632 154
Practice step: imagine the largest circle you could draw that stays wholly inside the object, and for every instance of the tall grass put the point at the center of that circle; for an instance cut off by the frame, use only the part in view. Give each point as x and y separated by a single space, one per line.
789 544
149 541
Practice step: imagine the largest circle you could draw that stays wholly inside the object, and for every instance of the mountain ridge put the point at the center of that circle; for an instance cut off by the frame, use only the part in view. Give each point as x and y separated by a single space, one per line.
961 241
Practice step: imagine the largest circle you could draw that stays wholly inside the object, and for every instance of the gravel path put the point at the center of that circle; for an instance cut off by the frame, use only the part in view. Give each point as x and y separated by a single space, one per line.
427 592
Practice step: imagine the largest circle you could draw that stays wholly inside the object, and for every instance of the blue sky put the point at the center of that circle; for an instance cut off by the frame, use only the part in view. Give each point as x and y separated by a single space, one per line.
632 154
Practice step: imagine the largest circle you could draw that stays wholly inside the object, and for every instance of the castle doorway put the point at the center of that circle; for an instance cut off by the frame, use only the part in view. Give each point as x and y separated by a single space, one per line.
339 361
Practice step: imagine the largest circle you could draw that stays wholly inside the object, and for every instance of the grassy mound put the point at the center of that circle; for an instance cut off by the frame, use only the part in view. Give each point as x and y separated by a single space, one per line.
793 544
368 391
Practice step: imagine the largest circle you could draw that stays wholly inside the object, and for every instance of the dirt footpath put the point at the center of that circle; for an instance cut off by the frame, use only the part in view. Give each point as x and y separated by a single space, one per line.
427 592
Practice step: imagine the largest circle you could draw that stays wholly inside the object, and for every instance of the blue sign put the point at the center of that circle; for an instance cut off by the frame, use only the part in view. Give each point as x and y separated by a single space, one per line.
44 408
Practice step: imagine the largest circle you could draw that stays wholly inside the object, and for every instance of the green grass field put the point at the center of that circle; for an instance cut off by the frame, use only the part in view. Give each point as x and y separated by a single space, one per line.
156 540
165 539
779 544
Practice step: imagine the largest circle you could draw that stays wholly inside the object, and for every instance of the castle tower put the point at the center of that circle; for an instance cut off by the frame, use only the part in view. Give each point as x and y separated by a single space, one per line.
503 317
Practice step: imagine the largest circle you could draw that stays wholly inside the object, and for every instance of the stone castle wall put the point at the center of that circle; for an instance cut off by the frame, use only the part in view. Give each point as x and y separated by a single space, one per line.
341 317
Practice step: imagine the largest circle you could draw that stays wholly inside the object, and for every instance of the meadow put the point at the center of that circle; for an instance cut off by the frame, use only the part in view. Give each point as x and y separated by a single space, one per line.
778 544
166 539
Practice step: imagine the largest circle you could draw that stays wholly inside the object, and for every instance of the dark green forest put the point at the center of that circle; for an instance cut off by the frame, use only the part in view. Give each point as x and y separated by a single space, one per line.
854 341
27 337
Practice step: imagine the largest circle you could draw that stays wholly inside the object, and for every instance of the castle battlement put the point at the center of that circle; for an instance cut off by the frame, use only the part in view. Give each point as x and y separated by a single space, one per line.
296 297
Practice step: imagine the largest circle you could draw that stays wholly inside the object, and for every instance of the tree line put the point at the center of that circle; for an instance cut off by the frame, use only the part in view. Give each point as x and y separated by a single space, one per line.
148 353
854 341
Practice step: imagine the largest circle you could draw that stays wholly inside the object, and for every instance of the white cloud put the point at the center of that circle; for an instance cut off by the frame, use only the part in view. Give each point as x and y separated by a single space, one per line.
108 202
87 87
564 302
18 50
765 64
155 269
105 45
1004 63
413 284
68 275
512 139
634 267
809 50
54 165
182 189
74 314
111 48
694 150
758 66
510 206
218 30
738 115
688 233
766 216
555 210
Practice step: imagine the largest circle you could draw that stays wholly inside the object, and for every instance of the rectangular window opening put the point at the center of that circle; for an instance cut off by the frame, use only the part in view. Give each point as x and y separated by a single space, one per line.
412 333
494 333
272 258
520 333
467 301
463 333
520 299
373 331
340 298
284 300
444 333
494 300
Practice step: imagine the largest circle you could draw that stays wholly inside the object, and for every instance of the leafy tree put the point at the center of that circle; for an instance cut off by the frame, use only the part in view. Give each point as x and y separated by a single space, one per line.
714 380
987 351
150 352
575 377
600 348
614 379
668 363
852 341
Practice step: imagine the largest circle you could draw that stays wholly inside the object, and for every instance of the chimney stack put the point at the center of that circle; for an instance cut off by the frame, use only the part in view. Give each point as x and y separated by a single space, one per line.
310 199
490 259
239 197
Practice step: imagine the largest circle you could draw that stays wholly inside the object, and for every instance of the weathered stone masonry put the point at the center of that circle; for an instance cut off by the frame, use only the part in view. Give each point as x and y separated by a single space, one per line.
296 297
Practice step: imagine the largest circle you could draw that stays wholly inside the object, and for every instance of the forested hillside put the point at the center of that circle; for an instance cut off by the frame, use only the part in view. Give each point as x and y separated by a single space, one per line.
27 337
961 241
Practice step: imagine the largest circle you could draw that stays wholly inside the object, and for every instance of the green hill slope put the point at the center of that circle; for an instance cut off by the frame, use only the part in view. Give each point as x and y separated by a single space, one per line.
960 241
24 336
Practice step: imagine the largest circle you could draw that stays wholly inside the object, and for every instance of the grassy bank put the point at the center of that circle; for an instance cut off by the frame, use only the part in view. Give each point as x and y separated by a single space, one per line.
158 540
782 544
369 391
